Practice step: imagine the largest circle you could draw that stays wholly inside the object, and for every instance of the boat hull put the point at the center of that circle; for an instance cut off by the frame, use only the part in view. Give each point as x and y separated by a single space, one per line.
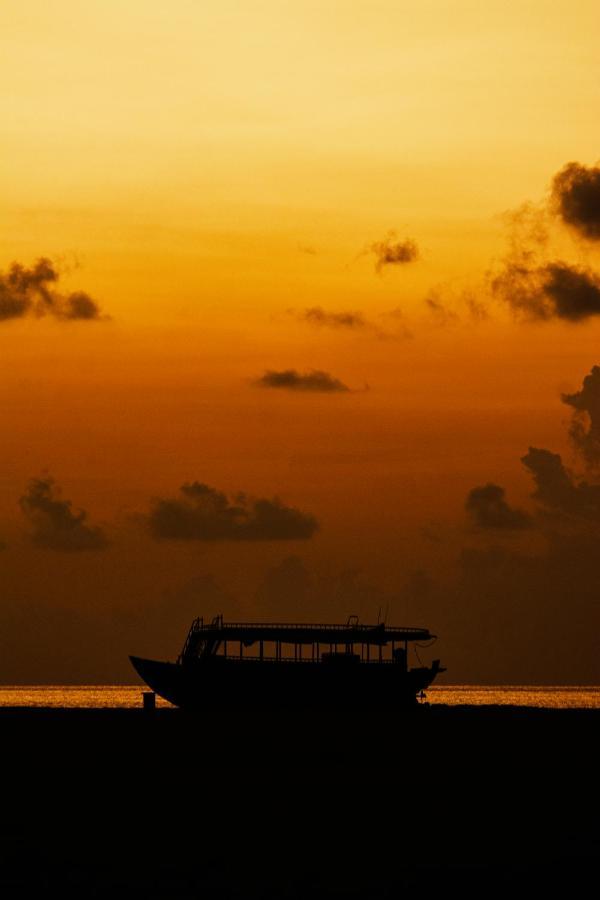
230 683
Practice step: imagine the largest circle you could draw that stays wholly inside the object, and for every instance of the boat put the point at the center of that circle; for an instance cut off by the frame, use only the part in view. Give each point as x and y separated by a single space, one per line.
242 664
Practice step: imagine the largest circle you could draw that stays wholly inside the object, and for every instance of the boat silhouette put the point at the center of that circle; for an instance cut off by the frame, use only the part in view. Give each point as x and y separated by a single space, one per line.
241 664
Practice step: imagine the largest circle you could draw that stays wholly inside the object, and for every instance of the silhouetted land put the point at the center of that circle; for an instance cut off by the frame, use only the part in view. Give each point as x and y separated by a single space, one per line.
490 801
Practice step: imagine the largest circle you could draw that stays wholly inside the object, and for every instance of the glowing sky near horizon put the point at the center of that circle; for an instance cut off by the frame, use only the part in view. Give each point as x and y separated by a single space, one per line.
208 172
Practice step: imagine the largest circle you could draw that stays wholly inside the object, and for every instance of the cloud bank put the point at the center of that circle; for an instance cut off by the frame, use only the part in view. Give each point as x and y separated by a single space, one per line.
202 513
32 292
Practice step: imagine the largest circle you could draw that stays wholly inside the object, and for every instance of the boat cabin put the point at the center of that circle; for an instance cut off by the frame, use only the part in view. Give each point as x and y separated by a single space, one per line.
334 644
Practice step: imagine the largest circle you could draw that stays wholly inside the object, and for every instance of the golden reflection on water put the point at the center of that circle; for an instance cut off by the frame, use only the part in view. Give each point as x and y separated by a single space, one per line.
130 696
547 697
80 696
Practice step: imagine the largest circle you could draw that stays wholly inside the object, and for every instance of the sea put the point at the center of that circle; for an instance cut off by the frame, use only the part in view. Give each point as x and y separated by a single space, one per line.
129 696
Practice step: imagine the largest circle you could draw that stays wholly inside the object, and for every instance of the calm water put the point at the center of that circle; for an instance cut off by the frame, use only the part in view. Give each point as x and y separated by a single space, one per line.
130 696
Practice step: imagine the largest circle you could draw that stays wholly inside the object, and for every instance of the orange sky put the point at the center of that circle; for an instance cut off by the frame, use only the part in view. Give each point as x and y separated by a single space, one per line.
206 172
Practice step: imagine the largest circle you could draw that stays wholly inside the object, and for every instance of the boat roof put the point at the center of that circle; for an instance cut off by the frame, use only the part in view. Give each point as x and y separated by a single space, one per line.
307 633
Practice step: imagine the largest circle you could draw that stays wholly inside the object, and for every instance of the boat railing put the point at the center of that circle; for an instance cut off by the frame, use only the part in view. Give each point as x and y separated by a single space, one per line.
304 626
305 659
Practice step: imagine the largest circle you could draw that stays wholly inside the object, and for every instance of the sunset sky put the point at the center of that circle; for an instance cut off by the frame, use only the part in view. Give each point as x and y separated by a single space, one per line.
317 255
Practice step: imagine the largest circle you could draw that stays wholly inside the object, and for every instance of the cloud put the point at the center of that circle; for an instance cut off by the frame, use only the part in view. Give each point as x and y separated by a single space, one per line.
557 489
31 292
535 286
576 198
555 290
566 502
54 524
202 513
315 315
291 380
585 427
488 509
393 252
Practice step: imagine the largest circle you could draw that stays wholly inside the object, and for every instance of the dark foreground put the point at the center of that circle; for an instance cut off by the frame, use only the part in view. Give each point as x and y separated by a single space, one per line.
486 801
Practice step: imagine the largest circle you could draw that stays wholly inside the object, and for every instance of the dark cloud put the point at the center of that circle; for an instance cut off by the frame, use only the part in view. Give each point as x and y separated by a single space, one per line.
576 198
32 291
555 290
585 427
557 490
392 252
291 380
574 292
563 497
488 509
535 286
80 305
203 514
315 315
55 526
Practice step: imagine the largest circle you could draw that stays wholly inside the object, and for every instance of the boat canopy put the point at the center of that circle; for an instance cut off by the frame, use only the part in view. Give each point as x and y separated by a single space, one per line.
352 632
